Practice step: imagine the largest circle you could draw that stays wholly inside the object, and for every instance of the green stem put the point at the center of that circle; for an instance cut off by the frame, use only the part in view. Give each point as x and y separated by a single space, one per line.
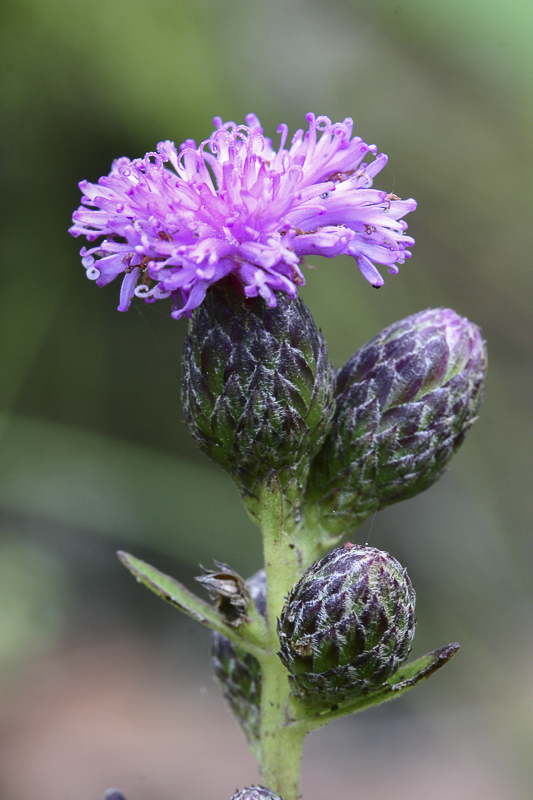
281 738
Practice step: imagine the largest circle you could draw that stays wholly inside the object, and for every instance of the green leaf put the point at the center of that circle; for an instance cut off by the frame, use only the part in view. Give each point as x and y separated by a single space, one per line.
404 679
411 674
249 636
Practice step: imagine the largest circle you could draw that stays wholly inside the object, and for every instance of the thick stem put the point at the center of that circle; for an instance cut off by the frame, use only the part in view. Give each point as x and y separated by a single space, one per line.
281 738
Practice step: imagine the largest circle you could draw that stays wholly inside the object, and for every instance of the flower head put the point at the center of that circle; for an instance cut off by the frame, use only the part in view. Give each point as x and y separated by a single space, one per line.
405 402
257 389
347 625
236 205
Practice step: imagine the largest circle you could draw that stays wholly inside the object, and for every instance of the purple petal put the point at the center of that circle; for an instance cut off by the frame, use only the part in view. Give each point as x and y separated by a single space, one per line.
235 204
127 289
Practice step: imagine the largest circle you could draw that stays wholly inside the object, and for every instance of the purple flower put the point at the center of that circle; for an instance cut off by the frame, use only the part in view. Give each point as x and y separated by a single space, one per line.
234 204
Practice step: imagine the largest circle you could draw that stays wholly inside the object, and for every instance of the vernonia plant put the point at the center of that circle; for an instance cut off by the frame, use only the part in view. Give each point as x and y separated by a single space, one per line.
222 230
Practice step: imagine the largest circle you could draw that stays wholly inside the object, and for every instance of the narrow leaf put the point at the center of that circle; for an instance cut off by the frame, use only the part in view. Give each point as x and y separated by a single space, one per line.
176 594
411 674
402 680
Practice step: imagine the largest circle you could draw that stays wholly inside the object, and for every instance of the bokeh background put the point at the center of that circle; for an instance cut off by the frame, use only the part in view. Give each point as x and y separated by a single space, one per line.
103 685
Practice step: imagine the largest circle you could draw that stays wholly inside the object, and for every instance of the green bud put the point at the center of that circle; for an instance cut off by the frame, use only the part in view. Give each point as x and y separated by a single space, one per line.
347 625
405 401
255 793
239 673
257 388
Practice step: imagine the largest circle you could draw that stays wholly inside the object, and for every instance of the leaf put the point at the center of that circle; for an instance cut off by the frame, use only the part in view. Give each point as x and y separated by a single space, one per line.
171 590
411 674
402 680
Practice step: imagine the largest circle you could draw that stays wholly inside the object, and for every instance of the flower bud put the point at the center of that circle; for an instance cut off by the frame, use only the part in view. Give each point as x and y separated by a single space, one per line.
255 793
405 401
347 625
239 673
257 387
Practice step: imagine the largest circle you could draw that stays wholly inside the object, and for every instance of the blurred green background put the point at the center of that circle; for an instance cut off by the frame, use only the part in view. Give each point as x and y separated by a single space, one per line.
102 684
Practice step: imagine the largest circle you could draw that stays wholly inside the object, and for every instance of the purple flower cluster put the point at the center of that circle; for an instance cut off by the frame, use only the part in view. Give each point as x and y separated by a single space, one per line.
236 205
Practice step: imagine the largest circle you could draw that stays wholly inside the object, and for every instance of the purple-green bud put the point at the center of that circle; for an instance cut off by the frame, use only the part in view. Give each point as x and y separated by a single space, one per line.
239 673
257 387
255 793
405 401
347 625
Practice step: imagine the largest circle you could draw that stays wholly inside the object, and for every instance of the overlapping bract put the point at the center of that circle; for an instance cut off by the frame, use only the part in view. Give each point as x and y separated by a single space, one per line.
236 205
255 793
405 401
347 625
239 672
257 388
